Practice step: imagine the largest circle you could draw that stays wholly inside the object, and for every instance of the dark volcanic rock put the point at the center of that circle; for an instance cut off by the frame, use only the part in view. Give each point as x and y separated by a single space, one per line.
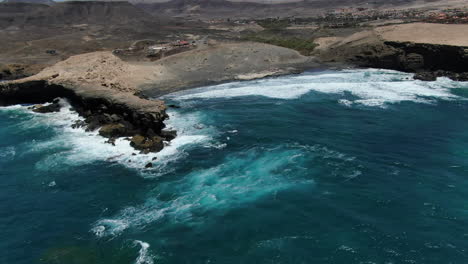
413 61
428 61
95 122
149 165
168 134
54 107
432 76
113 130
430 57
79 124
145 144
462 76
425 76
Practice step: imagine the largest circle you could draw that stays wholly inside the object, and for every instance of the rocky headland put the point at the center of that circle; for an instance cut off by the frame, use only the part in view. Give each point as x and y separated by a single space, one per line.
426 49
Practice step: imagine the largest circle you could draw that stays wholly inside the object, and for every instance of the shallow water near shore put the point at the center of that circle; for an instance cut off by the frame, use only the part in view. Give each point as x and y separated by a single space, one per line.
353 166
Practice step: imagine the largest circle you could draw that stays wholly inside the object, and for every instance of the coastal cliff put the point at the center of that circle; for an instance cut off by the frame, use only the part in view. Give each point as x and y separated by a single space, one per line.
428 50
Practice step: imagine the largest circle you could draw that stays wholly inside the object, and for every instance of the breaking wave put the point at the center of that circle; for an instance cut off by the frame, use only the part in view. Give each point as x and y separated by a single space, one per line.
369 87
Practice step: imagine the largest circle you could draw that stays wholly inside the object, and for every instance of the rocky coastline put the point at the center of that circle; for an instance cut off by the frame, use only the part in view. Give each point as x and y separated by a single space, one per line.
140 120
110 94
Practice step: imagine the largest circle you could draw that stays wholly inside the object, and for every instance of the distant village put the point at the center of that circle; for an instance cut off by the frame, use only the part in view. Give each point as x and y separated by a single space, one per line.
348 17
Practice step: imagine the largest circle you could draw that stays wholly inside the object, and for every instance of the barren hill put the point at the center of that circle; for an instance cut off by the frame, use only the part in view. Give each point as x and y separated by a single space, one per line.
84 12
71 12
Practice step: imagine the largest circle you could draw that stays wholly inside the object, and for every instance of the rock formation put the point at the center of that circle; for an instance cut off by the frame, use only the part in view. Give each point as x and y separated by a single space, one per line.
430 60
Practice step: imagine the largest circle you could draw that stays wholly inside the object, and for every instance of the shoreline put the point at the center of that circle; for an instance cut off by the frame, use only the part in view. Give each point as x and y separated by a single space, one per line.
123 98
141 114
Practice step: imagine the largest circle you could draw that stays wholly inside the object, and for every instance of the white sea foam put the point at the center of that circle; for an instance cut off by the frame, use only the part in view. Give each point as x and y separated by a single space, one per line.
241 178
347 249
109 226
7 153
144 256
370 87
77 147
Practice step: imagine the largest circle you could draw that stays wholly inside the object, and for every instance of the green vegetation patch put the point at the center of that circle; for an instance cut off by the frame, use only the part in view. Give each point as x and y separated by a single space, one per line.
304 46
273 24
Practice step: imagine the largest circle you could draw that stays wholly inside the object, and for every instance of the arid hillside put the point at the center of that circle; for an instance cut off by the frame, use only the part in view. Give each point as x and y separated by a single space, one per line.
206 9
37 35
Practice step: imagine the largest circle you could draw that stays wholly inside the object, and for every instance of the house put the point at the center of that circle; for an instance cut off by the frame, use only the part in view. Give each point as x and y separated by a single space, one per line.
181 43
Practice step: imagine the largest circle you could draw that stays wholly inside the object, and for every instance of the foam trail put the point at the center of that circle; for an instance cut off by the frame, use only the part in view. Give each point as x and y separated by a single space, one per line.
240 179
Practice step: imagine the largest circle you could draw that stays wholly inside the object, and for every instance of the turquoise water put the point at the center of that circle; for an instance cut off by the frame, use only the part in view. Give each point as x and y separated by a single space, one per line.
357 166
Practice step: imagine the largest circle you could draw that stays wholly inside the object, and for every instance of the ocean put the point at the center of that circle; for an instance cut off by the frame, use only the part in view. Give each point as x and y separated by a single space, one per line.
351 166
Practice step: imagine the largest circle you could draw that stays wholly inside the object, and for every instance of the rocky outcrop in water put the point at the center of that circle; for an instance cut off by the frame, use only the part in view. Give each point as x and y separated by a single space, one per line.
148 143
50 108
115 114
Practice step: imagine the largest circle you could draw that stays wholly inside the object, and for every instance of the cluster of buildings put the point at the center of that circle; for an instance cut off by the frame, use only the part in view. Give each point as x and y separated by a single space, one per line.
169 46
363 15
449 16
346 17
153 50
159 51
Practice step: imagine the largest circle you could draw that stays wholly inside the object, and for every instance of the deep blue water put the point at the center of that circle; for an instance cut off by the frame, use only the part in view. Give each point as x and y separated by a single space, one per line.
361 166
